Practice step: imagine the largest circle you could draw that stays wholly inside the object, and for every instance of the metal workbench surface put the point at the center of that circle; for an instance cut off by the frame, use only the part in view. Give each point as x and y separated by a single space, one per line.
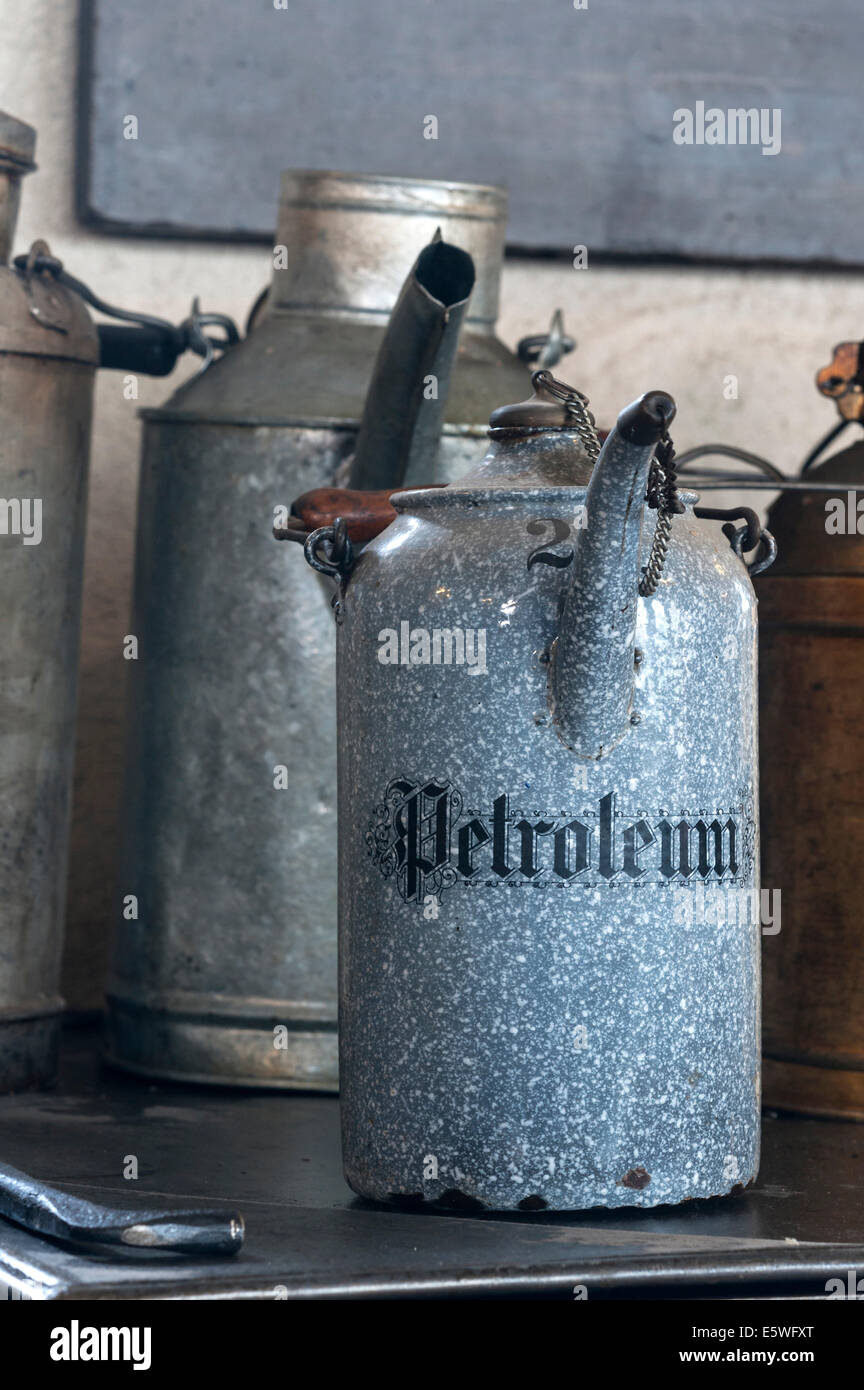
275 1157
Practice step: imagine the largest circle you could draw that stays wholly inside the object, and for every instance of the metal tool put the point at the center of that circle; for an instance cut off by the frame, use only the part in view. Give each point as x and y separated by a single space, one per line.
92 1227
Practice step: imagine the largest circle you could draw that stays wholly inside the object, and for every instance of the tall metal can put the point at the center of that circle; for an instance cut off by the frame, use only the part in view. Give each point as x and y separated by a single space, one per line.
48 356
225 960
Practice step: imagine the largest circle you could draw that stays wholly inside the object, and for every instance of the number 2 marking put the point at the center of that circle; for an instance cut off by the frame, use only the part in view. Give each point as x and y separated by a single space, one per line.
555 531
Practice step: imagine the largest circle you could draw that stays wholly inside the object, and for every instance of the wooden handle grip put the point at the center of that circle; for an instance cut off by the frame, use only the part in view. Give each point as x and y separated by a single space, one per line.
367 514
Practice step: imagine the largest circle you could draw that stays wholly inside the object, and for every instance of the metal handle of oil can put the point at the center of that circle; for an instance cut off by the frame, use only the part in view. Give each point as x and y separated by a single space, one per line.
153 345
546 349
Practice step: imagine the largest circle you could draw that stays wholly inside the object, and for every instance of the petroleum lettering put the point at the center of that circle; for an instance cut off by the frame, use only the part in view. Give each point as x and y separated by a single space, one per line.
420 834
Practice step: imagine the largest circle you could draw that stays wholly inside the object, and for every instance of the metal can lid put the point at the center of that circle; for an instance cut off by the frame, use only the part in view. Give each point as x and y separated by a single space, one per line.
551 407
17 143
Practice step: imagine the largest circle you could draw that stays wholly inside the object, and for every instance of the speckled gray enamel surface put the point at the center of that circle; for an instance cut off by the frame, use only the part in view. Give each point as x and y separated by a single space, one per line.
575 1036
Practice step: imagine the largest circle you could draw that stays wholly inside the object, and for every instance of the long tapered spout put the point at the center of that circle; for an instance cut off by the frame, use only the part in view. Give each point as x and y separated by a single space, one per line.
407 397
592 672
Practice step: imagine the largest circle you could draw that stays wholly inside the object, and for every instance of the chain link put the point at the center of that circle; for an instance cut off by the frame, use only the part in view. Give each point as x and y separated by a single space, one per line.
329 550
662 494
576 405
663 498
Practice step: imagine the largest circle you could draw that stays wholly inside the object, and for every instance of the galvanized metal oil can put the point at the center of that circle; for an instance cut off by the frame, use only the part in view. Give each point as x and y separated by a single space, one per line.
226 972
548 842
49 352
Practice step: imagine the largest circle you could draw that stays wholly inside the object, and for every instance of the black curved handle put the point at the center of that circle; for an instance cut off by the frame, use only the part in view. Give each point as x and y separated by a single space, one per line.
151 351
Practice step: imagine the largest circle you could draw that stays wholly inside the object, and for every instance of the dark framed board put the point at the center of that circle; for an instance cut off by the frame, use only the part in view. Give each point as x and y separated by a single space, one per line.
610 121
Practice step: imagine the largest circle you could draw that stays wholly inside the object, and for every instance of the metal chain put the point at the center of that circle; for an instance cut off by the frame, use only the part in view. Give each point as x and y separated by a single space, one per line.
576 406
662 480
662 498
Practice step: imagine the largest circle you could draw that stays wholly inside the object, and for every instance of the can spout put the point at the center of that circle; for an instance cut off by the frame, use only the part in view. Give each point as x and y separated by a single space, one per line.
407 397
592 672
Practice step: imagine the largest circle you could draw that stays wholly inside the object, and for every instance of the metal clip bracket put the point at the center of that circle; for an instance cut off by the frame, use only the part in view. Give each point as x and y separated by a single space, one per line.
329 550
751 536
